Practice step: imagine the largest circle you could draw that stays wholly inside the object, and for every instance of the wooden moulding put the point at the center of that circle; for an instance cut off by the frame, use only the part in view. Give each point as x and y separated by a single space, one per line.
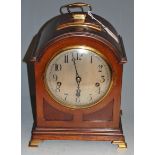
115 136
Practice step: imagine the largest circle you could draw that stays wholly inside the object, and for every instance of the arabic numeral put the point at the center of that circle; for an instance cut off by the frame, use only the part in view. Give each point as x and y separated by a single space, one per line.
57 67
66 59
79 56
55 77
102 79
90 95
100 68
91 60
77 100
66 95
58 86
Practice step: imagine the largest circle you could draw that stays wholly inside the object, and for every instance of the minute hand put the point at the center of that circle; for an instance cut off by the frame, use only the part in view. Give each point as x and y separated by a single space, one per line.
78 78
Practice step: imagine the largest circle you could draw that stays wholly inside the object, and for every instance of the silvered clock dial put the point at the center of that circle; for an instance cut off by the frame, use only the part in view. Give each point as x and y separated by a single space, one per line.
78 77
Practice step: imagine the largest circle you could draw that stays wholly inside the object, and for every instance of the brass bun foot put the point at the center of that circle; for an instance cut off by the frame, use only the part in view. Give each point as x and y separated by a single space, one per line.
34 143
122 145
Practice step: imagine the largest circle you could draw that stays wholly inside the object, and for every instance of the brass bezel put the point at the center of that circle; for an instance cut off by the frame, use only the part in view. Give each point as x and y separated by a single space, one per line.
70 105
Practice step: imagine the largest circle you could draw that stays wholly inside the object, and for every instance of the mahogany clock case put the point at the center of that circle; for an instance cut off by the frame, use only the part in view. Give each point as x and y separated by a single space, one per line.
82 124
54 121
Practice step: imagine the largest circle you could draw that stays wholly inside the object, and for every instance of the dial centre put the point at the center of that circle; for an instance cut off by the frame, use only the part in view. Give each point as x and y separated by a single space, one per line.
78 79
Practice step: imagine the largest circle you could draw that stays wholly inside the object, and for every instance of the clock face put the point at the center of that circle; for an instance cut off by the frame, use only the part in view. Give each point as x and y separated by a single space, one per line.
78 77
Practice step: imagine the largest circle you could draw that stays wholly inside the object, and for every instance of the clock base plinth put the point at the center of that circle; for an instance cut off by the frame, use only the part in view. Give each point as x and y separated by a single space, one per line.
115 136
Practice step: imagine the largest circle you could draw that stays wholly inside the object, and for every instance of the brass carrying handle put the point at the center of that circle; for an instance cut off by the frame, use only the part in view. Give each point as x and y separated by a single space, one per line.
75 5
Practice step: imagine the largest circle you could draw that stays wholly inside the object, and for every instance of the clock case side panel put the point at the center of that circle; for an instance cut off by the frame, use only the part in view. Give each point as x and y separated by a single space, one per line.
31 74
32 90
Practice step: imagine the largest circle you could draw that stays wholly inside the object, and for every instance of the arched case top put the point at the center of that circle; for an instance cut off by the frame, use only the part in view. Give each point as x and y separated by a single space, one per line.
76 24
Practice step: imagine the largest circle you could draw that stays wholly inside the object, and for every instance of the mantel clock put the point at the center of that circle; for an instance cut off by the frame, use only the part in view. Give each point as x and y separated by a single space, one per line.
75 65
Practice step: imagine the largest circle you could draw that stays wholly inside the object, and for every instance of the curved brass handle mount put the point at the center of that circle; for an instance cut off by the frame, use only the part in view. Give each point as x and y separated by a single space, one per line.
75 5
